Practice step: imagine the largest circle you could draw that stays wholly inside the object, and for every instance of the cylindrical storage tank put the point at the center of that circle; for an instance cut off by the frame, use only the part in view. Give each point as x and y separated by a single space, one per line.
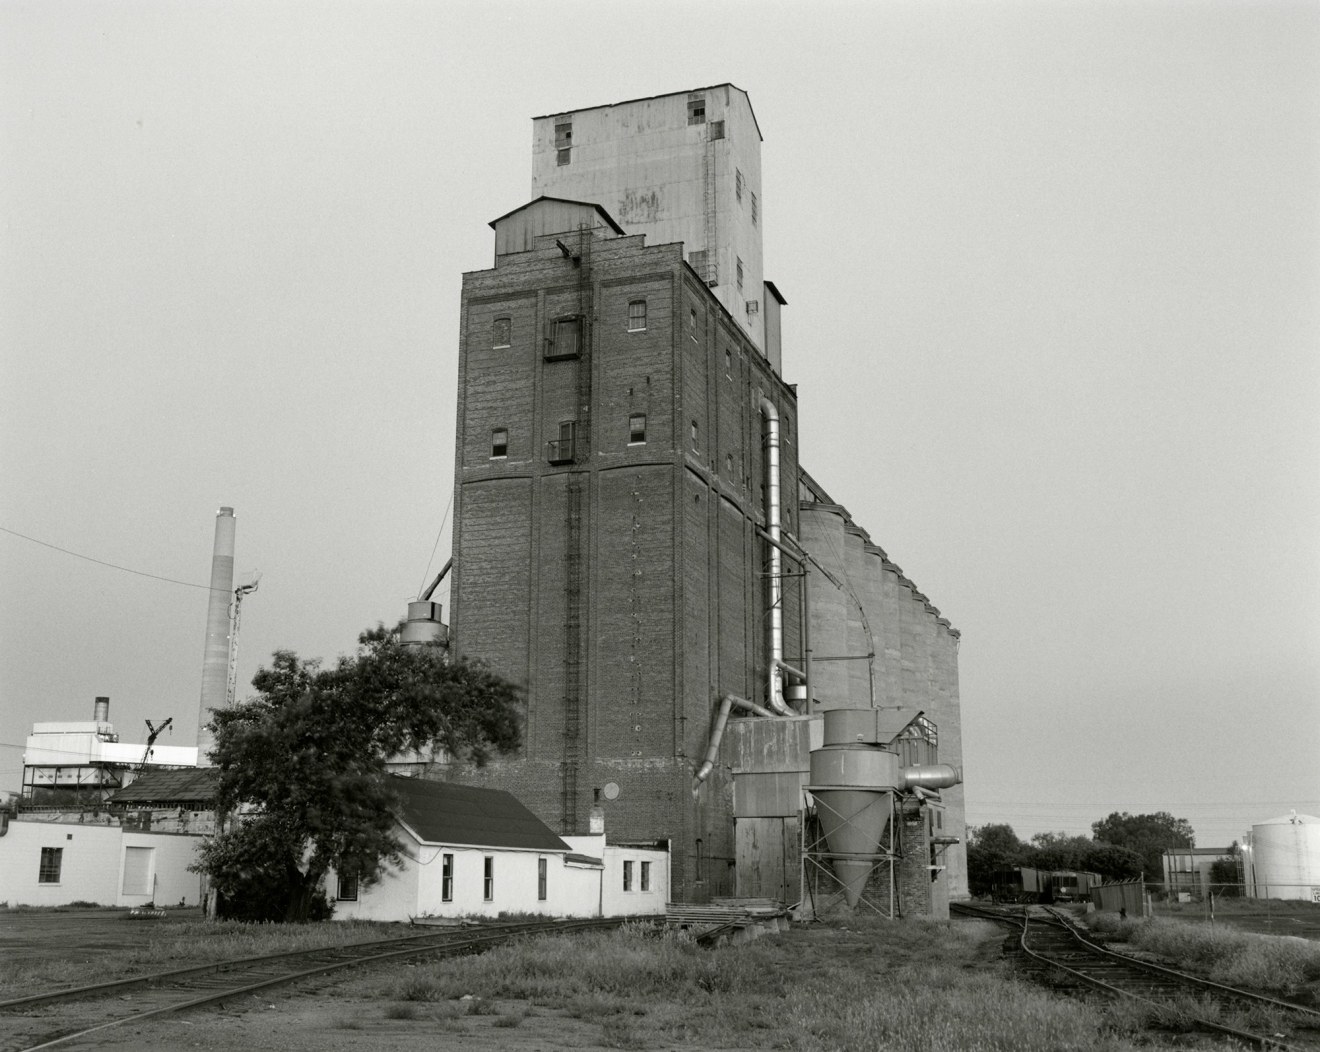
423 624
1286 855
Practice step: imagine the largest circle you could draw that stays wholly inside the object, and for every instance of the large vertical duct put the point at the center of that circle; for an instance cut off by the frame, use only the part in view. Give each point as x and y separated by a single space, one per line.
775 692
101 710
215 657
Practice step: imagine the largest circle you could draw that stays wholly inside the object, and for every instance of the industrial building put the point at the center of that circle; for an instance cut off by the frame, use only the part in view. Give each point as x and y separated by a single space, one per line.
637 542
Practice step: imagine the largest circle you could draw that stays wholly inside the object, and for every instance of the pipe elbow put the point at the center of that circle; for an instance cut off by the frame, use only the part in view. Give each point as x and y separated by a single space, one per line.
931 776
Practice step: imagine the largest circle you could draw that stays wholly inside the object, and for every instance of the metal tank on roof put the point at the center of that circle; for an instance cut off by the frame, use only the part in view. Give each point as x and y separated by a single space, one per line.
1285 855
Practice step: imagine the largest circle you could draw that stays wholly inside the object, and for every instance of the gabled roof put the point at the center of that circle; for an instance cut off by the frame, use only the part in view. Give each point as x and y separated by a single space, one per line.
609 219
154 787
446 813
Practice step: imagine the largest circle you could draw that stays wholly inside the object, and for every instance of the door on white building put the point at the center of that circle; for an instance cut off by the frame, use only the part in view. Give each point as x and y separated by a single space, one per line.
137 870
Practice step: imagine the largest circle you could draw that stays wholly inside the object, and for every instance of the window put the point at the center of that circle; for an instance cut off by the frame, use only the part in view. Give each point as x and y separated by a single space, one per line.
728 363
738 184
499 443
447 878
740 274
566 341
561 450
636 429
488 879
563 157
728 464
348 889
51 860
637 316
695 434
500 332
696 111
628 876
717 129
646 876
564 134
541 871
692 323
755 210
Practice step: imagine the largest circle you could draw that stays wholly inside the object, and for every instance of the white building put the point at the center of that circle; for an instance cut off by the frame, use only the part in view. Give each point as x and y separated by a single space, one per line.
474 852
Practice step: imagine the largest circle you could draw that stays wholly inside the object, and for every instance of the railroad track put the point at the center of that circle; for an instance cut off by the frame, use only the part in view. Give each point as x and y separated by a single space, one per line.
1048 944
26 1023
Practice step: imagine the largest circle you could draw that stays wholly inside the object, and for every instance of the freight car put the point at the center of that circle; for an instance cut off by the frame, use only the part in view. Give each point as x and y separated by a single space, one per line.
1027 884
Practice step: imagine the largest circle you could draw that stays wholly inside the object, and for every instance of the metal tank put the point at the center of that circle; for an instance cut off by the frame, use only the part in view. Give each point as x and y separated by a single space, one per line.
1286 857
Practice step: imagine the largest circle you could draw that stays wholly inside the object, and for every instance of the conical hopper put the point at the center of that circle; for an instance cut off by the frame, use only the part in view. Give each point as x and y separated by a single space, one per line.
852 821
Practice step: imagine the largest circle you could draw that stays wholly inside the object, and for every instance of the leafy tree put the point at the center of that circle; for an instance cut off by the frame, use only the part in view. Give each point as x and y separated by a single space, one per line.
989 848
1147 835
1226 873
303 765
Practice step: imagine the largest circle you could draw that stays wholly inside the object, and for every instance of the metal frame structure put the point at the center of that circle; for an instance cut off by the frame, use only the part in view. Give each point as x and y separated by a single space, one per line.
820 885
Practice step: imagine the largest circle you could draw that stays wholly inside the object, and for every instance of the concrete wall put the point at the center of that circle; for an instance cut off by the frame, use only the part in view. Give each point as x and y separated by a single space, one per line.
92 866
674 181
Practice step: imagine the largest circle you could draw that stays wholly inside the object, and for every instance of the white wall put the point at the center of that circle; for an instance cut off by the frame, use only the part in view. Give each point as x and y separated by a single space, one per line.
92 866
615 901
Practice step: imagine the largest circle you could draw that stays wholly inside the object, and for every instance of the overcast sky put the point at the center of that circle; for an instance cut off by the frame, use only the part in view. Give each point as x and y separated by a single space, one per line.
1052 275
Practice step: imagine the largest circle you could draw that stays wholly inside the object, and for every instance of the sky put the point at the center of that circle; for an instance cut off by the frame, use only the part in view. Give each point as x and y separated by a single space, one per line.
1053 279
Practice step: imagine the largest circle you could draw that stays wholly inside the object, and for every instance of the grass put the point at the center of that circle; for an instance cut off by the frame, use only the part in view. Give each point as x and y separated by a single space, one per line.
905 986
180 945
1271 964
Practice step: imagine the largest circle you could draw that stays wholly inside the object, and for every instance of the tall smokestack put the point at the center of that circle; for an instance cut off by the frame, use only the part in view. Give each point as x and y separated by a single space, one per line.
215 658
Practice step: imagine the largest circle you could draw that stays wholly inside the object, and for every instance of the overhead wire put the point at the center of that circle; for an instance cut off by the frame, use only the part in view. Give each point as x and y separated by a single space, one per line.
102 562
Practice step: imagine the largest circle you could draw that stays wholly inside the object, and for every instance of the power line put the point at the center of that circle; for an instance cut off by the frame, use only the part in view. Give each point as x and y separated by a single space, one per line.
102 562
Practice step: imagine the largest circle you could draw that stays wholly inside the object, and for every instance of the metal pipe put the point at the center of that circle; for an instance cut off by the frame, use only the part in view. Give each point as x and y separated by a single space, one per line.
775 687
931 776
438 578
717 734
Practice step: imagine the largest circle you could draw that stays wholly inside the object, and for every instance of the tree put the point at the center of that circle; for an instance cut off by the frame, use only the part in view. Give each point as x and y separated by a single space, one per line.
303 765
1147 835
989 848
1226 873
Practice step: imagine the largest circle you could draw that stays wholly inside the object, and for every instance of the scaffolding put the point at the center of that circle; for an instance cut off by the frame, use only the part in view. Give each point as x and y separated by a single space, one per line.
822 888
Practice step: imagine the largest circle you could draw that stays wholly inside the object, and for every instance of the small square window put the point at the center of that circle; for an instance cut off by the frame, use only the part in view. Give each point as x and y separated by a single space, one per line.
564 135
696 111
499 443
52 859
717 129
628 876
636 429
563 157
347 890
637 316
501 332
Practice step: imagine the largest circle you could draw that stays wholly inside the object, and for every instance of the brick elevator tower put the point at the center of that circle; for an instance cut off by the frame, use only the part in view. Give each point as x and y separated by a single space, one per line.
624 437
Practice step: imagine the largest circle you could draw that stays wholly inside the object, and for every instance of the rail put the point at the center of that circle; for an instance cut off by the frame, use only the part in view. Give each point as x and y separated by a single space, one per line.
246 975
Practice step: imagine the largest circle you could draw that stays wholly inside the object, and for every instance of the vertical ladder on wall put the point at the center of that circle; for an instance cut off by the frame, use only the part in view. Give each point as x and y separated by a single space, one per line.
572 652
574 544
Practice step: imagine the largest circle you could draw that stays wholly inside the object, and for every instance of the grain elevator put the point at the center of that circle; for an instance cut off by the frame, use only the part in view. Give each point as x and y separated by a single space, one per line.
696 623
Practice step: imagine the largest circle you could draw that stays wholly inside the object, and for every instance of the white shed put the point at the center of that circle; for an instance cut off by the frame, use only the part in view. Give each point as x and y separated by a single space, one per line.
472 851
